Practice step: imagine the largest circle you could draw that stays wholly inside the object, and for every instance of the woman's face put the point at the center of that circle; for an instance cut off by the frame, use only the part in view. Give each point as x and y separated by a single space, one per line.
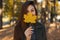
31 9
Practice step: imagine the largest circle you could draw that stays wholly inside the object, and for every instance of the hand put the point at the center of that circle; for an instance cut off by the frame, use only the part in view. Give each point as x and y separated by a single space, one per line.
28 32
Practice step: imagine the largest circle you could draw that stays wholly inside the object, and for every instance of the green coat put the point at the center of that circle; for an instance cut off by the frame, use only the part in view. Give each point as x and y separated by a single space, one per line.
39 32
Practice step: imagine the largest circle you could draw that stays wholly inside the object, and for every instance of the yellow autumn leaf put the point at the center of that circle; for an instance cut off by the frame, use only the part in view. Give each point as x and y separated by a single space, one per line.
30 18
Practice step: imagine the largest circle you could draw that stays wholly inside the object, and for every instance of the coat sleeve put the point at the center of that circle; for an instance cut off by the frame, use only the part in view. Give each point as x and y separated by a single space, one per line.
44 33
40 32
18 32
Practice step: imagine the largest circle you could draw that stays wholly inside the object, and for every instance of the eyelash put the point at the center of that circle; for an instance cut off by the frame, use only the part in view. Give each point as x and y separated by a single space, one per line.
32 10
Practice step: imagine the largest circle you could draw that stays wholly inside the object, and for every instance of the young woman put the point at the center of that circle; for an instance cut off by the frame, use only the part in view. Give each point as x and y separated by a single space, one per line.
24 32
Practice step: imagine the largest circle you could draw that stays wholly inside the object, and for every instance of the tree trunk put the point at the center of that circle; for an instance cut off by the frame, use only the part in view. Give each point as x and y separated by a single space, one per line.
0 14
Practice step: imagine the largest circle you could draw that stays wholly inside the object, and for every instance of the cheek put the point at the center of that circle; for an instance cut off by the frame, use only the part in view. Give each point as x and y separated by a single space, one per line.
33 13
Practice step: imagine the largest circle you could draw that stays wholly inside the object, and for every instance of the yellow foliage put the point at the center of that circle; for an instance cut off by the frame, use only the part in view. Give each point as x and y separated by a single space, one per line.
24 0
30 18
38 17
11 2
57 3
18 0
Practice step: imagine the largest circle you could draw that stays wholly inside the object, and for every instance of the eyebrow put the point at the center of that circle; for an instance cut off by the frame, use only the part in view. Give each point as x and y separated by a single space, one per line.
32 8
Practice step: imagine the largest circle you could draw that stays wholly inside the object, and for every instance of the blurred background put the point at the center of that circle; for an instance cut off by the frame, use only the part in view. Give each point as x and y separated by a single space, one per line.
48 12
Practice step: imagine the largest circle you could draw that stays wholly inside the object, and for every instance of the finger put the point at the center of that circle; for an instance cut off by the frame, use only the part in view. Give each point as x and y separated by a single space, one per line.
29 32
31 29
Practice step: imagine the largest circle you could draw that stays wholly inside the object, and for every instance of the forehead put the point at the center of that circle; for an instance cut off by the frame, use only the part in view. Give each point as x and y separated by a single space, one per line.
30 7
